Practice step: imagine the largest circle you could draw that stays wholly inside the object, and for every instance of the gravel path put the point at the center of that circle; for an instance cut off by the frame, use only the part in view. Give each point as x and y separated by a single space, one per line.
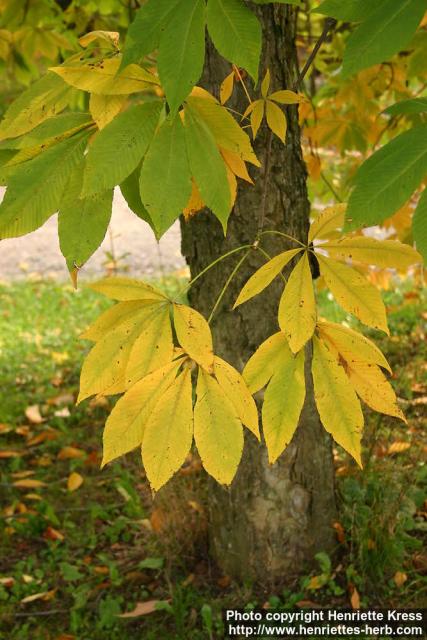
132 241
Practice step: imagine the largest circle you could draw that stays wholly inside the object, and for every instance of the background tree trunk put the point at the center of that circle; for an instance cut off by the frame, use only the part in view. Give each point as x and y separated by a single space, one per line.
273 519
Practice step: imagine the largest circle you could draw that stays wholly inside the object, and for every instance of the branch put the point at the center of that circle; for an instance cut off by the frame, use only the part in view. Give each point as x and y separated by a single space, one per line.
329 24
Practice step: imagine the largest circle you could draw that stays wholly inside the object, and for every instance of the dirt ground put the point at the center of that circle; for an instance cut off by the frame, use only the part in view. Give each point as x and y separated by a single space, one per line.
129 239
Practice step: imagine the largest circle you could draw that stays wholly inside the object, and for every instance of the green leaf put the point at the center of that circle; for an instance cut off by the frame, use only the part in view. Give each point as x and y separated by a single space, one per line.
296 2
36 187
51 128
207 166
45 98
385 32
165 182
117 150
419 225
144 33
236 33
415 105
283 403
82 223
217 430
182 51
130 191
348 10
387 179
169 432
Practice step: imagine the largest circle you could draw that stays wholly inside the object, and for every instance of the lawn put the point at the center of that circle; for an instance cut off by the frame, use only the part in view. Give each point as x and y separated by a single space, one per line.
83 546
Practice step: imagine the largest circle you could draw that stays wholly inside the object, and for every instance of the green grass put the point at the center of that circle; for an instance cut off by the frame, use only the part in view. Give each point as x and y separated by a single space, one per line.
99 550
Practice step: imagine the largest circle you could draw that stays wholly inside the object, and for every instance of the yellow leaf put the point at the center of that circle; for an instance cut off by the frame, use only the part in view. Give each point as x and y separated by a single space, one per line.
327 220
112 317
75 480
337 403
297 308
103 77
226 131
70 453
257 114
265 275
104 370
234 387
153 348
127 289
354 293
236 164
382 253
283 403
217 430
232 183
124 429
168 432
104 108
276 120
398 447
285 96
194 335
352 346
400 578
28 483
110 37
195 203
226 88
265 85
373 388
265 361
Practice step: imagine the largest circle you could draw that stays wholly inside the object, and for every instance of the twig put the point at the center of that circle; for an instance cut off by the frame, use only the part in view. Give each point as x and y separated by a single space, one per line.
38 613
329 24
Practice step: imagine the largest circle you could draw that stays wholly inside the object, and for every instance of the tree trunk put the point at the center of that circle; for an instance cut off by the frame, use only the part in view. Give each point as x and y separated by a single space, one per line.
273 519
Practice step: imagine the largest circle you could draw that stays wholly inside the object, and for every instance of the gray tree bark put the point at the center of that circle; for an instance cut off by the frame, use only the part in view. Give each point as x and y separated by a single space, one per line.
270 523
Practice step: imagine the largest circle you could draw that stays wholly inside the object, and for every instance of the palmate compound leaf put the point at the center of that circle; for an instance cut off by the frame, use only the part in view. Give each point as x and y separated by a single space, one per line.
352 291
104 371
297 308
35 189
218 430
207 166
165 182
182 51
82 223
270 356
328 220
168 432
265 275
351 345
283 403
125 138
234 387
194 335
124 429
382 253
337 403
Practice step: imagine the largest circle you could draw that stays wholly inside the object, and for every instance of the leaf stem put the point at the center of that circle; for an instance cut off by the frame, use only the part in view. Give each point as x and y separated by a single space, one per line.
237 72
285 235
227 284
212 264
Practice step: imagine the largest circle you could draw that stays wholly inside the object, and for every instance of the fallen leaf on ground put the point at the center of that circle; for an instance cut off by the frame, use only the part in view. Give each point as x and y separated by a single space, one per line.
62 413
32 413
355 599
10 454
142 609
43 595
53 534
398 447
29 484
400 578
75 480
68 453
7 582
